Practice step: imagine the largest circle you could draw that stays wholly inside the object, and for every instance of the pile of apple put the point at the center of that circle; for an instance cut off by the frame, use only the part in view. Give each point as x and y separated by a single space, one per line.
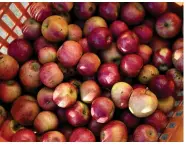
86 72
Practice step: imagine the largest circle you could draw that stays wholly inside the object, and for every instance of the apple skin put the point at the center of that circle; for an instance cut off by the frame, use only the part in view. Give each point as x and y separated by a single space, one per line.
114 131
78 115
166 104
63 6
50 75
129 119
45 121
156 8
45 99
132 13
168 25
120 94
95 127
142 102
54 28
69 53
102 109
128 42
82 134
3 115
10 90
147 73
9 67
40 11
89 90
74 32
177 59
29 74
178 44
9 128
109 10
162 59
162 86
84 10
145 133
53 136
65 95
131 65
24 110
135 86
66 131
108 74
24 135
88 64
93 23
84 44
158 120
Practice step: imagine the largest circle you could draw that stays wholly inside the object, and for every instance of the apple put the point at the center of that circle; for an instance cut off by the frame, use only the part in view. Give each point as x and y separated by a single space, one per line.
84 10
166 104
82 134
114 131
50 75
132 13
131 65
29 74
135 86
24 110
78 114
67 131
45 99
162 86
95 127
45 121
47 54
88 64
31 29
145 52
162 59
156 8
147 72
89 90
53 136
93 23
158 120
177 44
128 42
54 28
24 135
100 38
40 11
102 109
109 10
129 119
145 133
63 6
177 59
84 44
142 102
120 94
168 25
108 74
65 95
74 32
3 115
69 53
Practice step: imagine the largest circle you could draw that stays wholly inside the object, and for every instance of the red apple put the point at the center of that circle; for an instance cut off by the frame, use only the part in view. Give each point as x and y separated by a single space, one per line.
20 49
24 135
3 115
108 74
74 32
95 127
166 104
45 121
54 28
177 44
135 86
63 6
82 134
145 133
177 59
53 136
31 29
78 115
88 64
67 131
168 25
69 53
102 109
65 95
84 44
128 42
24 110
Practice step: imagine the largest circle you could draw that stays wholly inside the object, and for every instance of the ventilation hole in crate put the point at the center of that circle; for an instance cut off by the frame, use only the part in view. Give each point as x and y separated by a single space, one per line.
170 114
179 113
3 50
10 39
177 103
172 125
25 4
18 31
3 33
15 10
28 10
8 21
23 19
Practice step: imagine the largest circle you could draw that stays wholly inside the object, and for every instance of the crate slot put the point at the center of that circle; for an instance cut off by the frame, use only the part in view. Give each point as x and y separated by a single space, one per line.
3 33
3 50
25 4
18 31
8 21
15 10
23 19
10 39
